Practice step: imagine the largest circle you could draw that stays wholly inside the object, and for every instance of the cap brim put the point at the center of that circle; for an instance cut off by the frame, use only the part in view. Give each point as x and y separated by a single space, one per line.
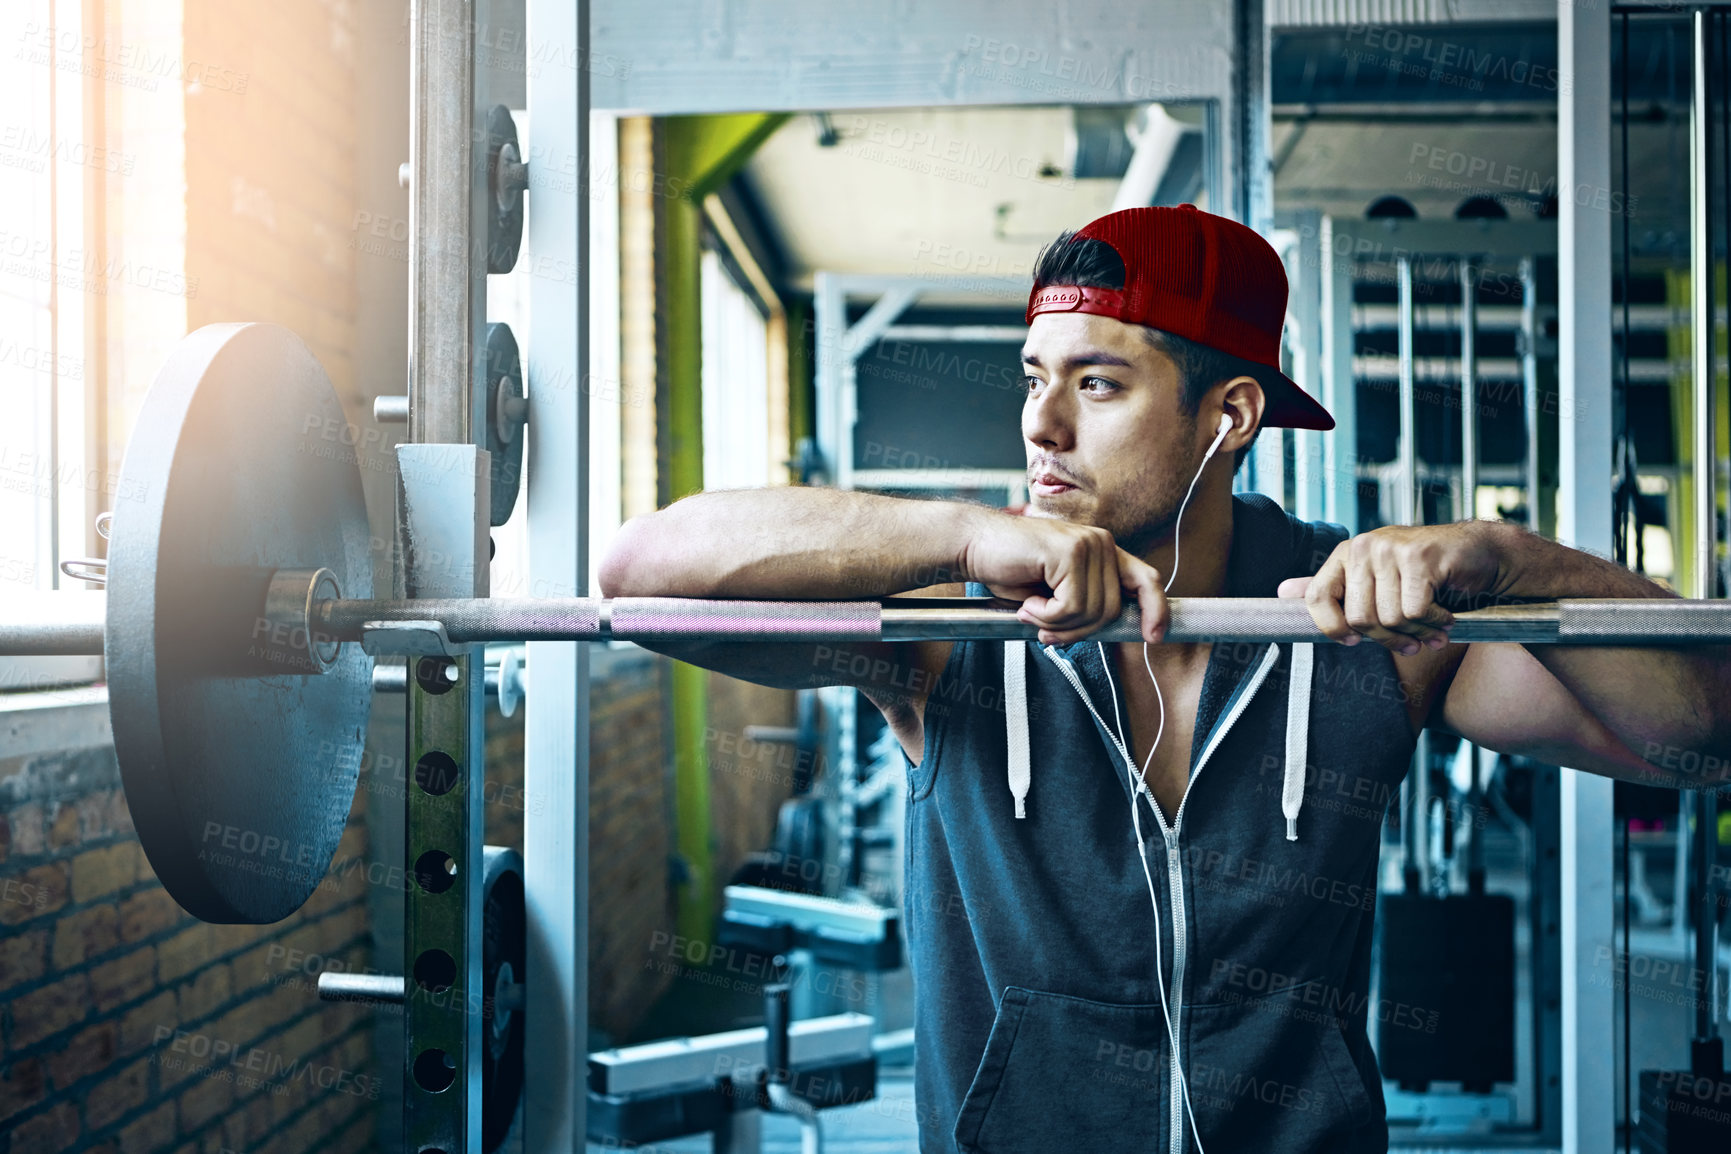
1287 406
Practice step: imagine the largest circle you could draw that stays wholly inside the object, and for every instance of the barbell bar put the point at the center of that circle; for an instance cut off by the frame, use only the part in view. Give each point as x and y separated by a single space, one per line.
239 577
330 620
1193 619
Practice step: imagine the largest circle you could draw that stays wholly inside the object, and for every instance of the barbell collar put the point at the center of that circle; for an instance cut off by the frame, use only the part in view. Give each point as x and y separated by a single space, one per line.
287 639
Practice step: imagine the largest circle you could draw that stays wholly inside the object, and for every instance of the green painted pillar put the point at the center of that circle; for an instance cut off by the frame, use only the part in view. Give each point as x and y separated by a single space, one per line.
699 154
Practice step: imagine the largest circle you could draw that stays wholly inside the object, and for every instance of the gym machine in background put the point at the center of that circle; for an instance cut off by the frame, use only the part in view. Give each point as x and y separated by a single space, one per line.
795 1064
1452 953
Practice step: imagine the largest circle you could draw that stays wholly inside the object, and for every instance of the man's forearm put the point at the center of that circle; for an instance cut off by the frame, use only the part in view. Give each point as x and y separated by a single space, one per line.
1671 705
789 542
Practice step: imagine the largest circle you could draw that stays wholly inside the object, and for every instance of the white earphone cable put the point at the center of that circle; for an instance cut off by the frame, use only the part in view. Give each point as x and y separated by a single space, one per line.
1177 522
1139 782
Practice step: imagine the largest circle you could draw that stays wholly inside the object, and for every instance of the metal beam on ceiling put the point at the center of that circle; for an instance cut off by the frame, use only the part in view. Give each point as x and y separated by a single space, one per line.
700 56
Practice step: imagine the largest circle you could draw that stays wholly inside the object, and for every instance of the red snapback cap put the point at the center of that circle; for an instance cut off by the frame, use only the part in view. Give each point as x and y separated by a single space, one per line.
1202 277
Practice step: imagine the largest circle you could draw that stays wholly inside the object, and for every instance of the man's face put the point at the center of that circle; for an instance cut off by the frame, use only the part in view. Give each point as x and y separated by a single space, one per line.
1103 415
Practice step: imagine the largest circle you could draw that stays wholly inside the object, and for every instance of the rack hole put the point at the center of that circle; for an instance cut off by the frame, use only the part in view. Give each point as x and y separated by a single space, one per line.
436 772
435 971
436 871
436 674
435 1070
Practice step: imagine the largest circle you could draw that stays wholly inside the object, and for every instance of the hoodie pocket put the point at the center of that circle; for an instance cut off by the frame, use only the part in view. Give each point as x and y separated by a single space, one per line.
1064 1073
1277 1064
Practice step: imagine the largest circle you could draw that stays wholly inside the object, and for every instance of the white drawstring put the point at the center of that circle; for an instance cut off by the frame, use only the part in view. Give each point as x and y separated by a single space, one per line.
1297 735
1297 728
1016 721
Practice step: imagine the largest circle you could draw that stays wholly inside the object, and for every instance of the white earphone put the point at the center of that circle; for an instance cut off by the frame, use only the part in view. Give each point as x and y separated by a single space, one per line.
1225 427
1139 785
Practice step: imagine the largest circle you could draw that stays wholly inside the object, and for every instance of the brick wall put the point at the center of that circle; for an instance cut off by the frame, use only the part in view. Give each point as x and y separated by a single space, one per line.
128 1026
630 834
748 780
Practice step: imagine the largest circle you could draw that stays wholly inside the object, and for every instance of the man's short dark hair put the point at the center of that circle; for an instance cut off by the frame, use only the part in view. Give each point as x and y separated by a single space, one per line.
1084 262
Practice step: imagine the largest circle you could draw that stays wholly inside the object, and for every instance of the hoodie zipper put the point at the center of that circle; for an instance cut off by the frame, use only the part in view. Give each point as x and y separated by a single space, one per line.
1174 864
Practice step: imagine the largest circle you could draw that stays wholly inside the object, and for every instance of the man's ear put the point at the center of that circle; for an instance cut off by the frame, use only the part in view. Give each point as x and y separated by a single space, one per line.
1243 400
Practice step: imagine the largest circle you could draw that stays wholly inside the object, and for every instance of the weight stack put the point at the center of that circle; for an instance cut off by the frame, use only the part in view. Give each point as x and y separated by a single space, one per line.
1684 1113
1447 1003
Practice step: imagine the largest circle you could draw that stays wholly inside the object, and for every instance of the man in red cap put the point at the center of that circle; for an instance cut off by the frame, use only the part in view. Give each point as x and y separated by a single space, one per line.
1145 921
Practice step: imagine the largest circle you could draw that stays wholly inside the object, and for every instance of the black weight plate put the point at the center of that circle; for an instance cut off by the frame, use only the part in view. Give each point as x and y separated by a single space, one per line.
799 843
239 778
499 347
504 943
504 224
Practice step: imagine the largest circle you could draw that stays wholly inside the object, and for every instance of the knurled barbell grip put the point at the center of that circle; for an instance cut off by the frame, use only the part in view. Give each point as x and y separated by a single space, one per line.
1251 619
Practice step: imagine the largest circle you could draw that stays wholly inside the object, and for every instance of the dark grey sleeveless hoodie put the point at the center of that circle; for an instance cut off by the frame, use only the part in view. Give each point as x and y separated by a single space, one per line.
1039 1024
